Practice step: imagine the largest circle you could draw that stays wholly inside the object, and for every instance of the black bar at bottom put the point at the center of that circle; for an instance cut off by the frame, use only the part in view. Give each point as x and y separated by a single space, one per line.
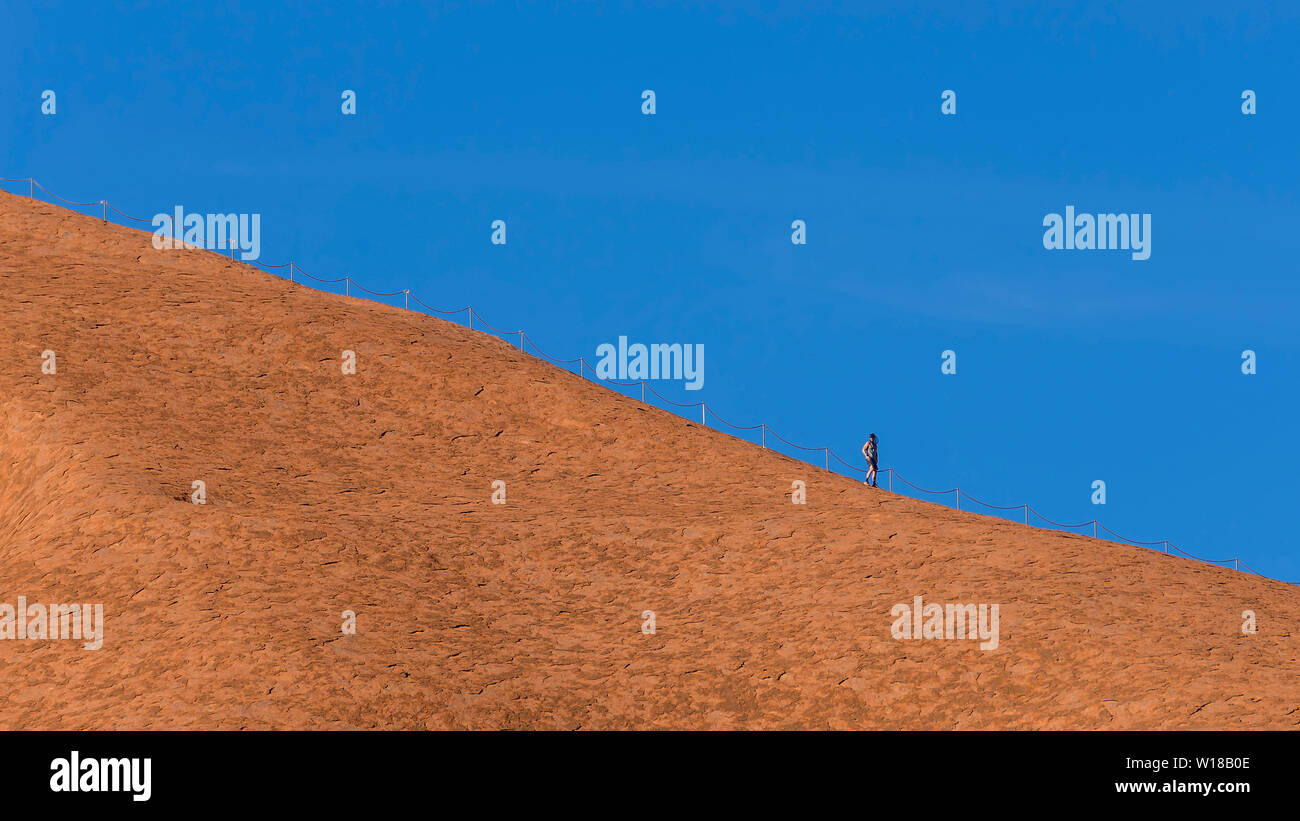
494 771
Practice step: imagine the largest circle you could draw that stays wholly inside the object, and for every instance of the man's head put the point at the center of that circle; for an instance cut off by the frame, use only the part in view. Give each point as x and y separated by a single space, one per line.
871 438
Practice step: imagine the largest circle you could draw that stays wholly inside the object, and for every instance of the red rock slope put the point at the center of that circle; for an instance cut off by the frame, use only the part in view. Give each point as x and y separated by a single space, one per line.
371 493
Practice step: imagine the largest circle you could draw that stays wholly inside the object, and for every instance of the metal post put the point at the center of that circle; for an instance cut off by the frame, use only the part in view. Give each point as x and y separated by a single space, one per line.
291 270
828 457
407 293
959 498
1166 544
891 480
763 433
642 390
703 420
347 285
471 317
1026 514
104 209
1235 564
1094 528
31 187
521 340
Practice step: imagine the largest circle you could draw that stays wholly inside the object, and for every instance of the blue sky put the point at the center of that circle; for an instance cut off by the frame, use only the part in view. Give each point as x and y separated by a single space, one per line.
924 230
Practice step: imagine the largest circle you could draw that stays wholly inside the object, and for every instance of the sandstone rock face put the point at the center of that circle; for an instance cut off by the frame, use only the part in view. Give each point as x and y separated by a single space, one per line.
372 493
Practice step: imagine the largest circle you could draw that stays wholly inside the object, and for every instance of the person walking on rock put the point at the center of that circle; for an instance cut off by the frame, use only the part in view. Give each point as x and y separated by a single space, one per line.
872 457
